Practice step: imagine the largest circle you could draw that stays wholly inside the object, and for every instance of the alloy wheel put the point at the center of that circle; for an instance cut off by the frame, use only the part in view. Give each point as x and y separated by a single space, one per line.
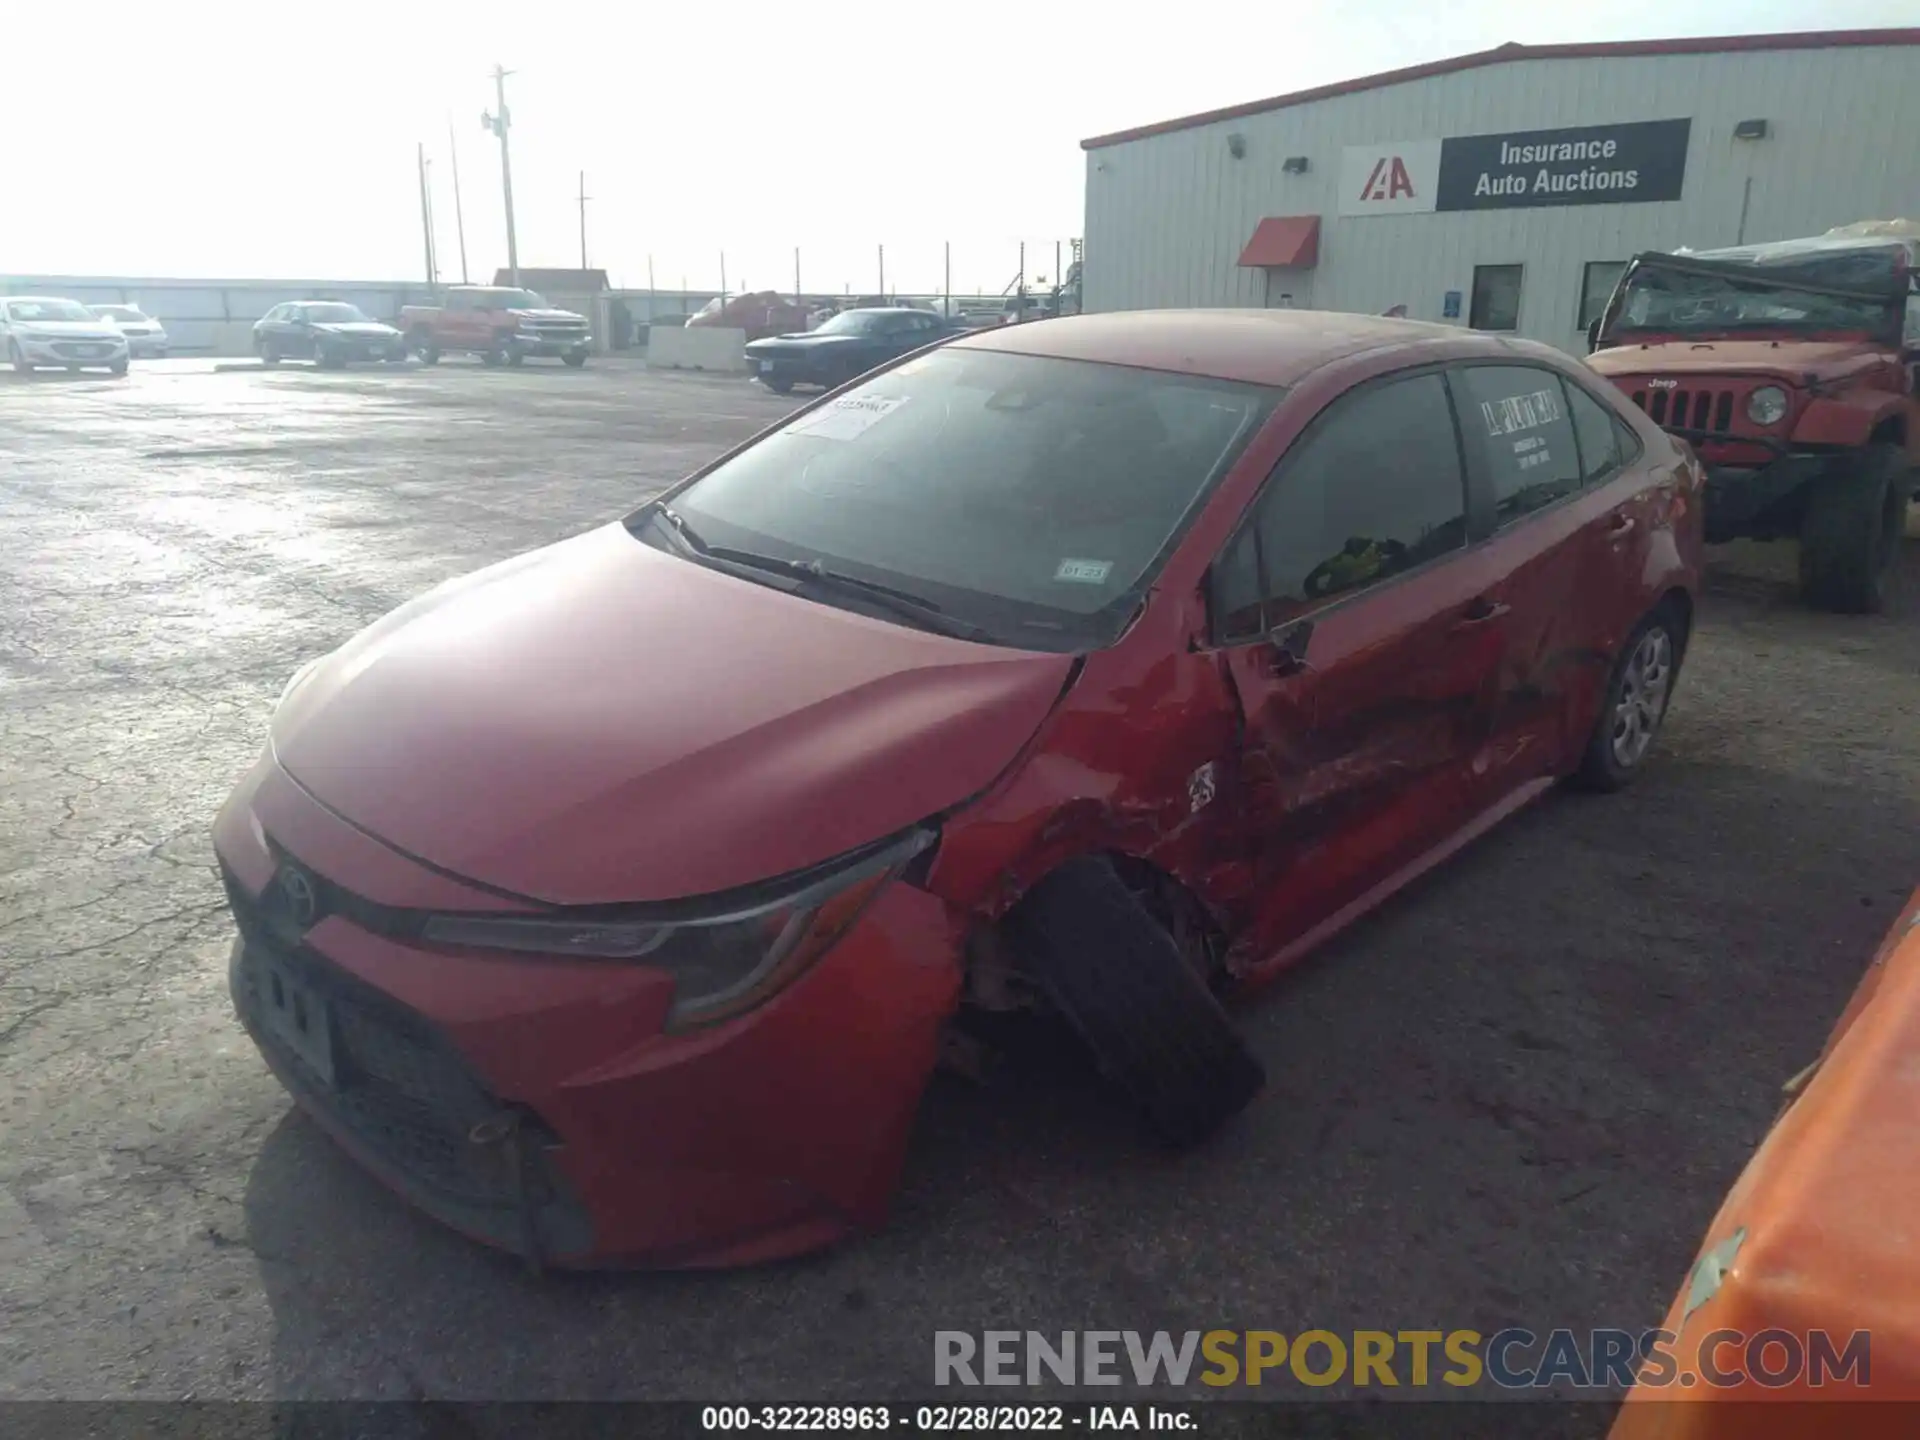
1642 699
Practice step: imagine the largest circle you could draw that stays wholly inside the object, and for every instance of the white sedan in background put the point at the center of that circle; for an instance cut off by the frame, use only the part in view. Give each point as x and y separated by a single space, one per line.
38 330
146 336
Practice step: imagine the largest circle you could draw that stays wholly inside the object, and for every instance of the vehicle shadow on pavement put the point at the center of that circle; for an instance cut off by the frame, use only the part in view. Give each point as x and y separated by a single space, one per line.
1576 1029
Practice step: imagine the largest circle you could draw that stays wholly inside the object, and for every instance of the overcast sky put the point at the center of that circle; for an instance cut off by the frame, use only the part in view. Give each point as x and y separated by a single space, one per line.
277 138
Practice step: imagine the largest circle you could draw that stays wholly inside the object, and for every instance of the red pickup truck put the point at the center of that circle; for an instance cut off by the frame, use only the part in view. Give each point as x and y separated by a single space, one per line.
502 326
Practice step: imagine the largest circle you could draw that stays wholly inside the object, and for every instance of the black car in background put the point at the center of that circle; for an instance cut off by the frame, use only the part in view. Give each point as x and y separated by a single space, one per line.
851 343
330 333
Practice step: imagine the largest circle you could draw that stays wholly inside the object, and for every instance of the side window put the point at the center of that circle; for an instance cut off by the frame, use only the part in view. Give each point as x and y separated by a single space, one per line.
1598 432
1517 415
1373 488
296 313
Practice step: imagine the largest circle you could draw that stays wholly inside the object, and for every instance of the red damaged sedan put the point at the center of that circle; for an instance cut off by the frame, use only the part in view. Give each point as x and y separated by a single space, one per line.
610 904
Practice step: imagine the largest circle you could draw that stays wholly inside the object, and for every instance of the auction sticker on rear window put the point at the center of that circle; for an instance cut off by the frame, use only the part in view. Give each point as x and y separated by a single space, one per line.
1084 572
847 417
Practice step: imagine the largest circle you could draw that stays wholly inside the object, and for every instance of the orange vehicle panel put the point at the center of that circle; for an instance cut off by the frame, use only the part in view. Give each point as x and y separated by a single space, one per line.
1821 1233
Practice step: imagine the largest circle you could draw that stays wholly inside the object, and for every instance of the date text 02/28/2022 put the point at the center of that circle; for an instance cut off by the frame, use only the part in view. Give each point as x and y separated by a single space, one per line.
936 1419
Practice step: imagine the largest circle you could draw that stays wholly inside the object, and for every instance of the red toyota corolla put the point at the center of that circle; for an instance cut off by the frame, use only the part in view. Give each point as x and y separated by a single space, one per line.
610 903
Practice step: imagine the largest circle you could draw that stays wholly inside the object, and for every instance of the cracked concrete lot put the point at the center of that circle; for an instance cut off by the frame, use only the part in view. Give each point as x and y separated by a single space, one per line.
1513 1096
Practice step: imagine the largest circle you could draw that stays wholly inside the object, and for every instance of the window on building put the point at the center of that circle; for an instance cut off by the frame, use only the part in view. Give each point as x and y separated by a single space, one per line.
1597 279
1373 489
1496 297
1517 414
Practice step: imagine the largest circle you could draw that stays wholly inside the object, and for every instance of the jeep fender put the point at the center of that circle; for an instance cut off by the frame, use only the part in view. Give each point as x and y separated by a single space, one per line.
1849 420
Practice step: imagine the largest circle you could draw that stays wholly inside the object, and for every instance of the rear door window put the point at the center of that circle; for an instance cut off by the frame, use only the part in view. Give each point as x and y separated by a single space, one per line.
1518 416
1373 489
1598 432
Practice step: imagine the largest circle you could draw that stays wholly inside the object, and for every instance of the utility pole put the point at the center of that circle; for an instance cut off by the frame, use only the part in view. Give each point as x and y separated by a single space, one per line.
459 215
946 301
584 197
883 274
723 279
499 123
426 214
797 298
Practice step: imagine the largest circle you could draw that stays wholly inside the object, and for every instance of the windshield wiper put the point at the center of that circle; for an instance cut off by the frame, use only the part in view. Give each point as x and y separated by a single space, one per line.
917 608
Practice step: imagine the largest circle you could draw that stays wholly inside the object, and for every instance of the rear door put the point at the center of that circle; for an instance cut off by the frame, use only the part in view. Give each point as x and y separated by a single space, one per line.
1571 522
1523 455
1353 620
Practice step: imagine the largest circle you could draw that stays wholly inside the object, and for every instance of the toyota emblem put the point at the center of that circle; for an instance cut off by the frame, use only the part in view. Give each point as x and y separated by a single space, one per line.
303 901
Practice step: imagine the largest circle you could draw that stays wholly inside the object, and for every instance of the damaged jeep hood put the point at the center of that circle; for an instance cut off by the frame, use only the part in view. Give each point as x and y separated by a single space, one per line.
599 721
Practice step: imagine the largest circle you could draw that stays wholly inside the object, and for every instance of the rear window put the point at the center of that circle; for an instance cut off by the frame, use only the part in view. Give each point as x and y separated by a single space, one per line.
1032 496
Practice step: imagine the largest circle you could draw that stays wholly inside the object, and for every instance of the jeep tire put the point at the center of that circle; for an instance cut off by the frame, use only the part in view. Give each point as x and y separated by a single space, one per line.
1153 1025
1850 534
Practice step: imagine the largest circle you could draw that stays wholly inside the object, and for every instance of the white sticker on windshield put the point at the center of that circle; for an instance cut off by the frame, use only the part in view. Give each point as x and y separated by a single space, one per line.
1084 572
847 417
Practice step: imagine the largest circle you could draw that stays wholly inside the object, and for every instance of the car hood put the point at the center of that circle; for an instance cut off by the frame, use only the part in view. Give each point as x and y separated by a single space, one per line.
370 328
70 329
600 721
546 315
1790 359
806 340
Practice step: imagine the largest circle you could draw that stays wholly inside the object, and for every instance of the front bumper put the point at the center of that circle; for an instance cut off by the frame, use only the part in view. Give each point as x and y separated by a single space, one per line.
377 348
74 352
553 345
539 1106
1758 502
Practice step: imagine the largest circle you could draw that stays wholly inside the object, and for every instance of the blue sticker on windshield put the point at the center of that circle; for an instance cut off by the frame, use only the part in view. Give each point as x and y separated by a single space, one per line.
1084 572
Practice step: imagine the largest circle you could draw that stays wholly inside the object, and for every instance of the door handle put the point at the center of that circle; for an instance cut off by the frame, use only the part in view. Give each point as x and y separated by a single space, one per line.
1479 612
1621 528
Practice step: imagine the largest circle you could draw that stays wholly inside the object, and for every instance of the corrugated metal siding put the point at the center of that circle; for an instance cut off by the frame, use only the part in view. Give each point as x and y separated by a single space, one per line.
1167 215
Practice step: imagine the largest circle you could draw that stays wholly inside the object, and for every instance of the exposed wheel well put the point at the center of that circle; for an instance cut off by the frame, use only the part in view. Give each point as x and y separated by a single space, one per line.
1679 604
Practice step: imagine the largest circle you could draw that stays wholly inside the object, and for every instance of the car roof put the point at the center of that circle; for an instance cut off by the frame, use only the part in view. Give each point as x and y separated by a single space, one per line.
1262 347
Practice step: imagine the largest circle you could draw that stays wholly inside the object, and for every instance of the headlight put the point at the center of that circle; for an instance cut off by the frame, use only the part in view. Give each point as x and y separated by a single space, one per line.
722 962
1767 405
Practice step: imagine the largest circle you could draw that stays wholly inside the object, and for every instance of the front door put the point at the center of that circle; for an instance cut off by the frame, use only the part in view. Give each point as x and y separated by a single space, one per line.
1365 652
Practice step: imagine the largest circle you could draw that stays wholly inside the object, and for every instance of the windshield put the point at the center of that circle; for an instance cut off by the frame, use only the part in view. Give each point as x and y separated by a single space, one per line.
1677 302
48 310
1031 497
118 312
334 314
853 322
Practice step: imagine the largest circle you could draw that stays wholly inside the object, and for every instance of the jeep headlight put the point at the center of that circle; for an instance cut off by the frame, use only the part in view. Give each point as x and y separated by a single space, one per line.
723 960
1767 405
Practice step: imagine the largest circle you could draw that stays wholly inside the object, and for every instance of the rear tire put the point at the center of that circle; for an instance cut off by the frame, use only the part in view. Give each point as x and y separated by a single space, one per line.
1148 1017
1638 694
778 387
1850 536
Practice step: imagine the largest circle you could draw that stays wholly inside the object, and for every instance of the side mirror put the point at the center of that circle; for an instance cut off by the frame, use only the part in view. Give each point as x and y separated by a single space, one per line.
1290 643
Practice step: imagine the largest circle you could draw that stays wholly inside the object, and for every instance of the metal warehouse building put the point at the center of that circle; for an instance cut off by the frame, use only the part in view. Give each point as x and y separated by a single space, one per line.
1504 190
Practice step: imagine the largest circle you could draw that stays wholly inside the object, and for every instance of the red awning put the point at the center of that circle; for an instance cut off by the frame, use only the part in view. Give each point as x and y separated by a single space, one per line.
1289 241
